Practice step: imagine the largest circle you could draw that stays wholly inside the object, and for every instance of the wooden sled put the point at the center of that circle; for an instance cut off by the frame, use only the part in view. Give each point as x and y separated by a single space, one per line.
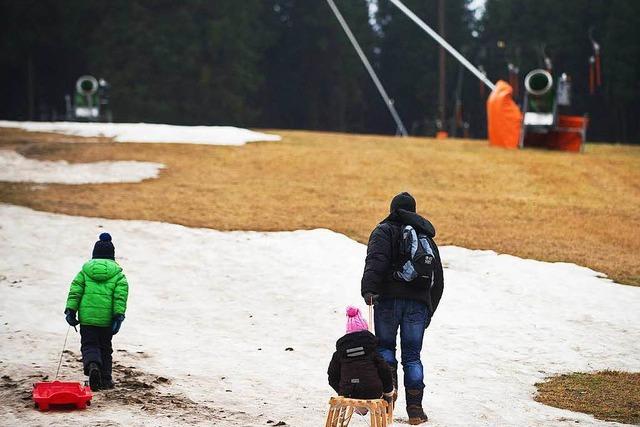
341 410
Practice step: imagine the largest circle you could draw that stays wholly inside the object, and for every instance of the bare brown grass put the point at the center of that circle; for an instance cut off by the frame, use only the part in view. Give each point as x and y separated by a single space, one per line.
607 395
545 205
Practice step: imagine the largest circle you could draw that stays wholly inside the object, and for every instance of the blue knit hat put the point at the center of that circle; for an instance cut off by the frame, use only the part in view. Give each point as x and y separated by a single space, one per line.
104 249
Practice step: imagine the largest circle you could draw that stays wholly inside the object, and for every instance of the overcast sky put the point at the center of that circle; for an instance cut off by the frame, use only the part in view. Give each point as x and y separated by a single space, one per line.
476 5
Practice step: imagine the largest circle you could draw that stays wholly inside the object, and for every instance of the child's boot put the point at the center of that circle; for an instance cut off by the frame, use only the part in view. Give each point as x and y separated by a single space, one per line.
107 380
107 384
95 378
105 374
361 411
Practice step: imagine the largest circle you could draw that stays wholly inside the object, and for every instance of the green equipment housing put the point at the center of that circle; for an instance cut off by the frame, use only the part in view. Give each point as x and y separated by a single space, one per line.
90 101
545 122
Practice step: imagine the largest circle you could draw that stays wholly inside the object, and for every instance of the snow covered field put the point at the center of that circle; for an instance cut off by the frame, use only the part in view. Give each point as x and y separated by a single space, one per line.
147 132
17 168
213 312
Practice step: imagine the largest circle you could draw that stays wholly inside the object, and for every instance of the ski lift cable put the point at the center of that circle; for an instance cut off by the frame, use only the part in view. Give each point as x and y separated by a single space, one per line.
443 43
367 65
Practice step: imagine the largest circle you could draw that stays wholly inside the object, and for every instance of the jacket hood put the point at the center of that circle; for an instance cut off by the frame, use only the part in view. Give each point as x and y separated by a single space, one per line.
101 270
421 224
363 339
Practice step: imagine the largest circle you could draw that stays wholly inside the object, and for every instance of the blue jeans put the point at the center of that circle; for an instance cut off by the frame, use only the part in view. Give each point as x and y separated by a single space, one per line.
412 317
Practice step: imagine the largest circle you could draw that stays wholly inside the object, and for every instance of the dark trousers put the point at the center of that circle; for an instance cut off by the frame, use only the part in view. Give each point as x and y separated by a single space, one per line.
412 317
96 348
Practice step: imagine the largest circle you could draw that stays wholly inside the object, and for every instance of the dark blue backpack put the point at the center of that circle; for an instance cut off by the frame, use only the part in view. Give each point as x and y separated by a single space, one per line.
416 257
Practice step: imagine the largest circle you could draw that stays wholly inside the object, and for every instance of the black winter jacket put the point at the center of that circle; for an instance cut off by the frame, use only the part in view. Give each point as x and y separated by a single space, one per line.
357 370
382 252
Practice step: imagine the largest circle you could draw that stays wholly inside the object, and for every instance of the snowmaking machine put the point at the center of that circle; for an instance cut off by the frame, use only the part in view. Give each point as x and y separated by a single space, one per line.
543 125
543 120
90 101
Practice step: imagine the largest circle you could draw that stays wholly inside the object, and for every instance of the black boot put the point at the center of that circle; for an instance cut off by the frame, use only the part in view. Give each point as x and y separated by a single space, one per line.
107 384
95 378
414 408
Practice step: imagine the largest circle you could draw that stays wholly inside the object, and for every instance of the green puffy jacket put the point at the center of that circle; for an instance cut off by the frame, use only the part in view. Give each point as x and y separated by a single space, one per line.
98 292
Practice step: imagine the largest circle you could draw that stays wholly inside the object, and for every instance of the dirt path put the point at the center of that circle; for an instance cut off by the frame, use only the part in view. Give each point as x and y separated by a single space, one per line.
147 398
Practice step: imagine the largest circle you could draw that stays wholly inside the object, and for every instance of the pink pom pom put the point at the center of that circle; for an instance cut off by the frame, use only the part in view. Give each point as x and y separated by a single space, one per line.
352 311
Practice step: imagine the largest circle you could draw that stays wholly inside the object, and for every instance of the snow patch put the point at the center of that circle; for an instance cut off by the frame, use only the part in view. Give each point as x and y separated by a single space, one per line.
214 312
147 132
17 168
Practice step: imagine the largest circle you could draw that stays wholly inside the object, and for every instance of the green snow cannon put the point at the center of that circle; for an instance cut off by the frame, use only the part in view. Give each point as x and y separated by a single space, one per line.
540 91
539 107
86 100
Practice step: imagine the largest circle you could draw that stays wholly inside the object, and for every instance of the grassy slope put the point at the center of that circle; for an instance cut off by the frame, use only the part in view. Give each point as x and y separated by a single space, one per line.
537 204
544 205
607 395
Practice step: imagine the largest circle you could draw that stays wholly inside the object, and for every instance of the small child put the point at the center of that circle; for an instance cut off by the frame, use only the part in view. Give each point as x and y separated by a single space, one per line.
356 369
99 295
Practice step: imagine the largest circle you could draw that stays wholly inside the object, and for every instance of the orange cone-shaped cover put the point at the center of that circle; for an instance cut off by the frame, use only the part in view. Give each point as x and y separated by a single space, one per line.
504 117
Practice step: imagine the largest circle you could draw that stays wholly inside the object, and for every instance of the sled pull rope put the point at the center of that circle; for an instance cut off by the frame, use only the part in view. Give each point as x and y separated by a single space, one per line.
62 352
371 328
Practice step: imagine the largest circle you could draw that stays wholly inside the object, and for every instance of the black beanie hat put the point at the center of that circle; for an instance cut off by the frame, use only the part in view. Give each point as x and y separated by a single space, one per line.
404 201
103 249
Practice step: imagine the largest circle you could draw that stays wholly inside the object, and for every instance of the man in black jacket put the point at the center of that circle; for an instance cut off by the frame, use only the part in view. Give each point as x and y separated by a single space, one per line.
400 304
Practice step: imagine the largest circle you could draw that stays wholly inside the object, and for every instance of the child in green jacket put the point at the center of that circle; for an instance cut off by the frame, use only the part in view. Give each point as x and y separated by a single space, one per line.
99 295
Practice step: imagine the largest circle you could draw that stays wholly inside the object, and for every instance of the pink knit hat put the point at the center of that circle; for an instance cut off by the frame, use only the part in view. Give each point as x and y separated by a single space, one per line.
355 322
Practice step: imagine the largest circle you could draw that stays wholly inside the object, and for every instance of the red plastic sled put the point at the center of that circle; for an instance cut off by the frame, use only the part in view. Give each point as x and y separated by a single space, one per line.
46 394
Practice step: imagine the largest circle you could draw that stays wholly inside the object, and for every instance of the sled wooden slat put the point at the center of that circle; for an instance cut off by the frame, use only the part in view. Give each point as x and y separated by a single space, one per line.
341 410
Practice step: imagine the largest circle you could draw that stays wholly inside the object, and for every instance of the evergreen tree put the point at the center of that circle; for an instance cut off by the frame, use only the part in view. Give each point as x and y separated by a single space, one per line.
314 77
409 58
287 63
621 63
563 29
191 63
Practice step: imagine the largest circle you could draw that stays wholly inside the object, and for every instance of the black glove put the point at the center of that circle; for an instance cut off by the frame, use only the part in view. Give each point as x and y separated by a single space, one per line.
71 317
370 298
117 322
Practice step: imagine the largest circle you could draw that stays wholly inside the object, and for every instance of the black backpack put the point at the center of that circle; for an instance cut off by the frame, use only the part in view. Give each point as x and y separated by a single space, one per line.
416 258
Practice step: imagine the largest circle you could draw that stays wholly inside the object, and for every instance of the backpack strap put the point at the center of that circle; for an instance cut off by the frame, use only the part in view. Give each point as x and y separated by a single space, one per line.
395 237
